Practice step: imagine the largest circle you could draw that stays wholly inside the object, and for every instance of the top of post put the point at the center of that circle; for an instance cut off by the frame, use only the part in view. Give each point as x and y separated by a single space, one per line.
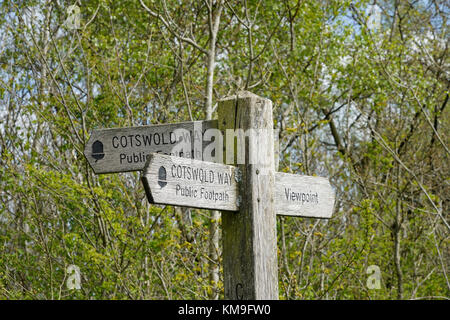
243 94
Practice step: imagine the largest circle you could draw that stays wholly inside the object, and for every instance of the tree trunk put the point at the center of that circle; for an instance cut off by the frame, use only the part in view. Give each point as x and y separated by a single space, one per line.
214 20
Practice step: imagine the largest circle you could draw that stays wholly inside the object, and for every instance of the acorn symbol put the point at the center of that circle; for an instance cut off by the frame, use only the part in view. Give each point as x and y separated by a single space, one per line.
162 175
97 150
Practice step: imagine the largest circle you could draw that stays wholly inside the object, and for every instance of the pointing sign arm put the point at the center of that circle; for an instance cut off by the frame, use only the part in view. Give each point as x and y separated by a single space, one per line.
127 149
303 196
190 183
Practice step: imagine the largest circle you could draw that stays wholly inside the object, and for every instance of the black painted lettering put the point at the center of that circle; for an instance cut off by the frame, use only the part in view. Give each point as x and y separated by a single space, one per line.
123 141
155 141
138 140
147 140
115 142
131 139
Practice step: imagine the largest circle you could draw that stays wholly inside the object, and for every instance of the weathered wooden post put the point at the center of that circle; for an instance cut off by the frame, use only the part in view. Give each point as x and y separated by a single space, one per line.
249 235
250 192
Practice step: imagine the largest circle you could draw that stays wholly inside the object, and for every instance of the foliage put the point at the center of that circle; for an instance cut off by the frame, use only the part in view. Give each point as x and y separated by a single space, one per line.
360 95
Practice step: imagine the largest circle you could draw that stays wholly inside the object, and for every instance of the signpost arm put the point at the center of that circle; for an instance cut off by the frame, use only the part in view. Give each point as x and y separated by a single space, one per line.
249 236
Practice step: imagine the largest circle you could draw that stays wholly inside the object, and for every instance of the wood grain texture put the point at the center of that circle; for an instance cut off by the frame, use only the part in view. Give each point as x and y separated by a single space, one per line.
303 196
128 149
249 237
190 183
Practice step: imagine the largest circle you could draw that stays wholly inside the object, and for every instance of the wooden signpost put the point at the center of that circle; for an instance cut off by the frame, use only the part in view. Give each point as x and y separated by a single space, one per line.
303 196
249 193
128 149
249 236
190 183
199 184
